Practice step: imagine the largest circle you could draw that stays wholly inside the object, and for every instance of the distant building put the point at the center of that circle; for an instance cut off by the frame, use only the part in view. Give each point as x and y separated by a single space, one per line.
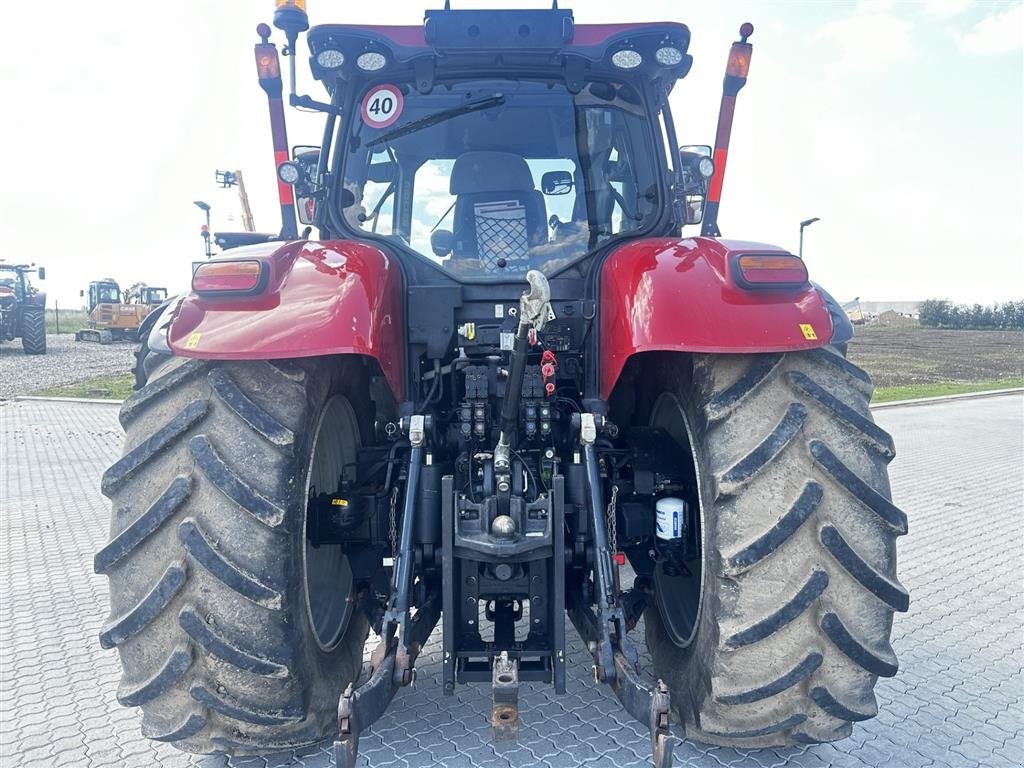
875 308
863 311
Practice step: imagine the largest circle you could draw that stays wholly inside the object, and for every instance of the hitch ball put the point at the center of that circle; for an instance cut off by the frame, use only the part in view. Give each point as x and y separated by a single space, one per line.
503 527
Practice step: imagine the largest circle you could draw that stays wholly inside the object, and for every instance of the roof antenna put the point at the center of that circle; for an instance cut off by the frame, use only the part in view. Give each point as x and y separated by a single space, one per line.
554 5
447 5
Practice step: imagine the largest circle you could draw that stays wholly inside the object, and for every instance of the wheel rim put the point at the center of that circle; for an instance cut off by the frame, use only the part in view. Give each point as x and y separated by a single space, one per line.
327 575
680 615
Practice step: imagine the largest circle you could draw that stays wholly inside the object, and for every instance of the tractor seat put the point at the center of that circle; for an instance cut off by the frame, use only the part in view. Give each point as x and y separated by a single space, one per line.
499 214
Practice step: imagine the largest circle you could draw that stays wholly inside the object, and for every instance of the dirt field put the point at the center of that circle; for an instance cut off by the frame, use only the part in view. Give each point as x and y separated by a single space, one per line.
906 356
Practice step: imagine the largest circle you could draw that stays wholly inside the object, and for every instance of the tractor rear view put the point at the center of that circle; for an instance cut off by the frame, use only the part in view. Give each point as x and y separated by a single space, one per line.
22 307
500 389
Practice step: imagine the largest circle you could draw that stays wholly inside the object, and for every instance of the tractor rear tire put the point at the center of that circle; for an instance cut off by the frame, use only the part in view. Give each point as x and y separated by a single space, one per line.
798 582
33 332
234 634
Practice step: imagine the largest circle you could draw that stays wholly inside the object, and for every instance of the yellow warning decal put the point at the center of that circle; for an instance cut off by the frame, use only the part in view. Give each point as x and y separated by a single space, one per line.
808 330
339 502
193 340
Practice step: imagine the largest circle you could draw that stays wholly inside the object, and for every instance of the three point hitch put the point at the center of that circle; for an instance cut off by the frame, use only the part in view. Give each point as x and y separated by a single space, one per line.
596 610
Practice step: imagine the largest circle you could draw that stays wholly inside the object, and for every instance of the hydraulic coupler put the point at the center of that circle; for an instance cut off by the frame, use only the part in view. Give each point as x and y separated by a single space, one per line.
534 310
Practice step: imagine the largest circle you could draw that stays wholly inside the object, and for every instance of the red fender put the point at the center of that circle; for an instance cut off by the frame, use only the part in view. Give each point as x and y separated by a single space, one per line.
678 295
335 297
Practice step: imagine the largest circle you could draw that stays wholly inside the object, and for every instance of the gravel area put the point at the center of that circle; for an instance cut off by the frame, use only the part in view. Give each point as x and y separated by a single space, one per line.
66 361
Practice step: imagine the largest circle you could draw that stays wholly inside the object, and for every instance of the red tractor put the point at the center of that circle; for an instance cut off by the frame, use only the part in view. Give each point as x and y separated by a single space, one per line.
501 387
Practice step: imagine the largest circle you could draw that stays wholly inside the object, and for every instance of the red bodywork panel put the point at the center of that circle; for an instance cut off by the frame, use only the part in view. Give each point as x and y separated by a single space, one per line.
334 297
665 294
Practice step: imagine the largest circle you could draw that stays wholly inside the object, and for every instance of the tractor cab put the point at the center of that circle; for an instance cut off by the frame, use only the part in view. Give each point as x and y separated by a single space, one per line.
487 144
14 280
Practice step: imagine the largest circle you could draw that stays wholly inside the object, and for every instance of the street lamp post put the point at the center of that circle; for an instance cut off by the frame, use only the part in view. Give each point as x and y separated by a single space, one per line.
804 224
205 207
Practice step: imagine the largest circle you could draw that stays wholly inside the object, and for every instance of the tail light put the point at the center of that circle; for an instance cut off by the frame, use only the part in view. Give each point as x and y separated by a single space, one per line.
769 271
239 278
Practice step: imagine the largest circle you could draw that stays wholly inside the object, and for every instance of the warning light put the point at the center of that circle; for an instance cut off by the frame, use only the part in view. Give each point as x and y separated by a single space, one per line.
228 276
267 65
290 16
770 271
739 60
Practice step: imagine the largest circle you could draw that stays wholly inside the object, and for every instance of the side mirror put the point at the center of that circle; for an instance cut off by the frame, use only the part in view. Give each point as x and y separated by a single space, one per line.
697 167
694 208
42 273
556 183
442 242
303 169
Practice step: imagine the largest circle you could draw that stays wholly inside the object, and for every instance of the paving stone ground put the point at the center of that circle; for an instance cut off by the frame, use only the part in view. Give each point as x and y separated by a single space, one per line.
956 701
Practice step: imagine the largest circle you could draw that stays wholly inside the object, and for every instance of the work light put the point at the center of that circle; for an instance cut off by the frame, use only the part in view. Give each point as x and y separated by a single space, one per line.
371 61
330 58
289 172
668 56
627 58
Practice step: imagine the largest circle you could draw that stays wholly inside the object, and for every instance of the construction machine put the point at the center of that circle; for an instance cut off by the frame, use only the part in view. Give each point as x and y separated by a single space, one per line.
114 316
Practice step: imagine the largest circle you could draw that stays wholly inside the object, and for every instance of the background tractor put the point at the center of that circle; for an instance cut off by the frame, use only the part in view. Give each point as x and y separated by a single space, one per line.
498 389
114 316
22 307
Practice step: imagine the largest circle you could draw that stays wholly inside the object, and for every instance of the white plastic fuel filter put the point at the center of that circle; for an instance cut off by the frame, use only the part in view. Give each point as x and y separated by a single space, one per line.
669 518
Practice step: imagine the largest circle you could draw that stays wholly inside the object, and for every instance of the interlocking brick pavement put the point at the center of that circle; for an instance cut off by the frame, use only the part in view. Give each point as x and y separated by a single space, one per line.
956 701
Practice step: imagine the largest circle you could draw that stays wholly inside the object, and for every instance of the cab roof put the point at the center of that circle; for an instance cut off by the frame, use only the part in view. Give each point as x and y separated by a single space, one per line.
504 38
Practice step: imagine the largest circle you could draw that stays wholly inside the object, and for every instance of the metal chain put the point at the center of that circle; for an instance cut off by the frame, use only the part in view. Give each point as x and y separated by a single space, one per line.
392 525
613 524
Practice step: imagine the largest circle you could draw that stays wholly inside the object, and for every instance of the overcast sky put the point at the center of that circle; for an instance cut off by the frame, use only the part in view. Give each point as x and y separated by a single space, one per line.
899 124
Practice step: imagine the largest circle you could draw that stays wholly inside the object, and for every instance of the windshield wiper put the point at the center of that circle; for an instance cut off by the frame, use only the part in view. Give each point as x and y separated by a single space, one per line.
439 117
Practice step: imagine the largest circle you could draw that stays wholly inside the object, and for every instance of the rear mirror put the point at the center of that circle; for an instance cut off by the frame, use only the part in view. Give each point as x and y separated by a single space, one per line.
703 150
81 293
307 158
694 208
442 242
42 273
556 183
696 167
